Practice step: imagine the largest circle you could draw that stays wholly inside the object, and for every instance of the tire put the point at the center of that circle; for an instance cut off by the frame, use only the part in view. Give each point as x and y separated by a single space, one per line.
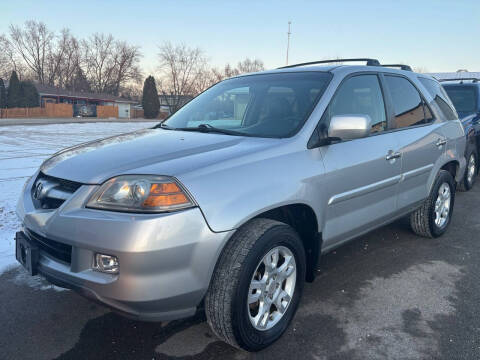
423 220
226 304
470 174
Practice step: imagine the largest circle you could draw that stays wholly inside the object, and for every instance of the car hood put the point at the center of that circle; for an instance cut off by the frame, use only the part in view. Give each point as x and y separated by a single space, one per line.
149 151
462 115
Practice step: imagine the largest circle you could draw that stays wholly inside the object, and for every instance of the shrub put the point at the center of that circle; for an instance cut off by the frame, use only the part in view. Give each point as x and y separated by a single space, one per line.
29 93
3 95
14 94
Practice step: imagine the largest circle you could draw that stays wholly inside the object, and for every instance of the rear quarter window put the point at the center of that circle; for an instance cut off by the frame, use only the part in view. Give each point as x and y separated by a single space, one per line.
409 107
440 97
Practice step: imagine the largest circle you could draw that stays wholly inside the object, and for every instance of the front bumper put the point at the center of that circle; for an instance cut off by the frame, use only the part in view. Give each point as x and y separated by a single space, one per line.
166 260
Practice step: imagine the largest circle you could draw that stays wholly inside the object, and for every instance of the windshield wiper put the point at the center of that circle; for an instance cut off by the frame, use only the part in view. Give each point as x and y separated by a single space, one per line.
163 126
212 129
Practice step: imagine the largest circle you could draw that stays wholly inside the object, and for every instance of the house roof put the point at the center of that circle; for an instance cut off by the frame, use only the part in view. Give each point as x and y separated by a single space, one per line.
45 90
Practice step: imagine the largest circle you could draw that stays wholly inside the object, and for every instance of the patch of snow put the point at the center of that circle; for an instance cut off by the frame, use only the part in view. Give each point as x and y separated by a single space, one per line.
22 150
35 282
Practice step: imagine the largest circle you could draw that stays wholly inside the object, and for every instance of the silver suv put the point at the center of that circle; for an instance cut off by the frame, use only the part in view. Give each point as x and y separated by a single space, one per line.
229 204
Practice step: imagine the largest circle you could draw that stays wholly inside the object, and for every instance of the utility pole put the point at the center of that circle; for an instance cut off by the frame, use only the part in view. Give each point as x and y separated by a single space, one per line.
288 39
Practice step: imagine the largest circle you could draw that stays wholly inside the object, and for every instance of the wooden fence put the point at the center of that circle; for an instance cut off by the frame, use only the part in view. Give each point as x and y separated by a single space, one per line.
58 110
50 110
105 112
137 113
22 112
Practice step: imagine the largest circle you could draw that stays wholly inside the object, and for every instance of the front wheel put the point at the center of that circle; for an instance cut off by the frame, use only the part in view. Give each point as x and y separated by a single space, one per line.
257 285
433 217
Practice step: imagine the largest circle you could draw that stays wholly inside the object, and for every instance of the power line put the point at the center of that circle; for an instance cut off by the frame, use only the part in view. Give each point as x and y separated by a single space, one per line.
288 39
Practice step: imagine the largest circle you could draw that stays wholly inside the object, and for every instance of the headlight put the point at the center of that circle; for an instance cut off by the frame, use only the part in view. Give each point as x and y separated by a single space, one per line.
141 193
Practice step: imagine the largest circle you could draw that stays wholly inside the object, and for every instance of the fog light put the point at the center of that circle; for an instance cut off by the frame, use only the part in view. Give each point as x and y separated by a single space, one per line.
106 263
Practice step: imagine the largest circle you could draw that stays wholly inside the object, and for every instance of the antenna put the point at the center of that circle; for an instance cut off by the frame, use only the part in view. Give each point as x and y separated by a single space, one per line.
288 39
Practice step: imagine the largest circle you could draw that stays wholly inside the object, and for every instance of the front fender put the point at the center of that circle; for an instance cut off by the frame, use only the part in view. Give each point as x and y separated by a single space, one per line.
231 194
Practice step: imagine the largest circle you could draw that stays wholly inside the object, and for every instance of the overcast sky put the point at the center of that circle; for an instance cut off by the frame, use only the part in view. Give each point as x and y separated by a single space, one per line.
436 35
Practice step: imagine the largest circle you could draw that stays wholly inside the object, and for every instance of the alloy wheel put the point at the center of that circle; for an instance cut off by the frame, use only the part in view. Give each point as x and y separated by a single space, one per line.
271 288
442 205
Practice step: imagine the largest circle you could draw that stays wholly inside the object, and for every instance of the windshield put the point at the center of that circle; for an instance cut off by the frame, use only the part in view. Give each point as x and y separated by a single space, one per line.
267 105
464 98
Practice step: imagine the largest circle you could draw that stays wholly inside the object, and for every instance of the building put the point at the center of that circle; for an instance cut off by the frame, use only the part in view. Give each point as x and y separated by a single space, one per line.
455 75
84 103
171 103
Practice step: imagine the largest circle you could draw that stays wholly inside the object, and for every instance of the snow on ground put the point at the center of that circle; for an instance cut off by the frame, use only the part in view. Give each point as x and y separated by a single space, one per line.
22 150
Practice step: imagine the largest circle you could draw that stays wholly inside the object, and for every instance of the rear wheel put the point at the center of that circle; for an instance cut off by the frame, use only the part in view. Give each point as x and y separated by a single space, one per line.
470 173
433 217
257 285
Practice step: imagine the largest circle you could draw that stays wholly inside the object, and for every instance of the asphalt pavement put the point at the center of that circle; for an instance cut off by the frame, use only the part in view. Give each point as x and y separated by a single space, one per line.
386 295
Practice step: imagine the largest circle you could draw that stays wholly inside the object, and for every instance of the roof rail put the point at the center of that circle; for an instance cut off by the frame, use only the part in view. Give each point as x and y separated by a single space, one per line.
370 62
457 79
400 66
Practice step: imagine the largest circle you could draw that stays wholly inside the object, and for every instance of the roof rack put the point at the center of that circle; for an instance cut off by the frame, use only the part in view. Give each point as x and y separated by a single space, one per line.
457 79
400 66
370 62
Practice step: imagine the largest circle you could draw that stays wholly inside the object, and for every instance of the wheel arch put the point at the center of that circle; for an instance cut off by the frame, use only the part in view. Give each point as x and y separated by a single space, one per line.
452 167
302 218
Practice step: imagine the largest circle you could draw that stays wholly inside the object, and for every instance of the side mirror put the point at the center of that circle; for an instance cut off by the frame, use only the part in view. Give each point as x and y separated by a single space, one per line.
348 127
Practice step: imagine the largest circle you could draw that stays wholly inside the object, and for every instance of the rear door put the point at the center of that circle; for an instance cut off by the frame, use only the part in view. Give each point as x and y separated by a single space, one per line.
362 174
421 139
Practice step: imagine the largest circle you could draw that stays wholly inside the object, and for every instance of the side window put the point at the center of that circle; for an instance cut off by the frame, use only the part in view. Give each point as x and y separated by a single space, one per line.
408 105
360 95
440 97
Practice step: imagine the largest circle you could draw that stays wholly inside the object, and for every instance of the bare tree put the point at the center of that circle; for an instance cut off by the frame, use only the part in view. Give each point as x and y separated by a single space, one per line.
110 64
98 50
248 66
33 43
182 69
126 66
65 60
216 75
184 73
9 60
227 72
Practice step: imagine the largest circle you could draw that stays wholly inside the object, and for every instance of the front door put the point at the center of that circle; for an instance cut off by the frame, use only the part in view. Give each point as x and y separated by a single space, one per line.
362 174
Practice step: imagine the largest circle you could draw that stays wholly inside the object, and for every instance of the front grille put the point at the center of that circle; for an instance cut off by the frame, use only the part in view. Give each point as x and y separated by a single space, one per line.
55 249
49 192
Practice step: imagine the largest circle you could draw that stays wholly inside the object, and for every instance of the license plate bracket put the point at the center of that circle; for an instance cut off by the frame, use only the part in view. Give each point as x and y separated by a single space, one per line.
26 253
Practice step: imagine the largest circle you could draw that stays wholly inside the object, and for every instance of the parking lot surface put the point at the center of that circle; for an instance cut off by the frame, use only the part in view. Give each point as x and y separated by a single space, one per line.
388 294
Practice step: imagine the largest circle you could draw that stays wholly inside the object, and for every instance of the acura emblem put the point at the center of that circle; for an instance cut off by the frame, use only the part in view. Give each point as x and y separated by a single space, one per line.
37 193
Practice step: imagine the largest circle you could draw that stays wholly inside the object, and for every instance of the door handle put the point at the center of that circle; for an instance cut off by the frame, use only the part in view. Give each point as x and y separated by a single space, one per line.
393 155
441 142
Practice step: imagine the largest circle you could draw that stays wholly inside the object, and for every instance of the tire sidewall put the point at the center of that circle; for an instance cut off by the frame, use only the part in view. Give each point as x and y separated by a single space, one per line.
443 177
248 337
469 185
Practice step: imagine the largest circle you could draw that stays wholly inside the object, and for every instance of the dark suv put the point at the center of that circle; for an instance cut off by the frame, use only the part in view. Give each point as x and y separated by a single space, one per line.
465 96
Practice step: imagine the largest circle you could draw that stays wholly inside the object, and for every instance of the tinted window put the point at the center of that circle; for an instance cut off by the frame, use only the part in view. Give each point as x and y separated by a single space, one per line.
360 95
464 98
407 103
271 105
440 97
